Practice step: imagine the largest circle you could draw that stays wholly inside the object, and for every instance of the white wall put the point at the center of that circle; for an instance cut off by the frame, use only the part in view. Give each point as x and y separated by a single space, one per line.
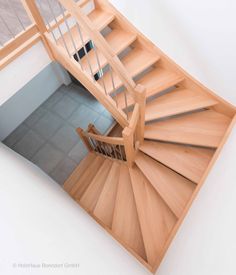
199 35
19 72
40 223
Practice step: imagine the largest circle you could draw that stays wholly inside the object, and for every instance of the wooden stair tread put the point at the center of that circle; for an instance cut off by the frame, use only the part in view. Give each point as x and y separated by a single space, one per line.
105 205
174 189
204 128
177 102
99 17
191 162
118 39
156 219
125 222
79 170
155 81
92 193
83 182
136 61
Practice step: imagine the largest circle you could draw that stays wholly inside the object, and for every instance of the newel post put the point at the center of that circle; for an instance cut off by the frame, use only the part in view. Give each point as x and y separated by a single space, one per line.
80 132
140 97
128 137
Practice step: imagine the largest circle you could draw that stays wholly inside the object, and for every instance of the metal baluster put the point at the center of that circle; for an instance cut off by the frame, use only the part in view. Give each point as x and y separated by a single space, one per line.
100 148
91 143
16 14
113 84
69 31
86 52
126 104
114 149
105 147
109 150
5 24
59 29
121 155
99 67
94 145
47 22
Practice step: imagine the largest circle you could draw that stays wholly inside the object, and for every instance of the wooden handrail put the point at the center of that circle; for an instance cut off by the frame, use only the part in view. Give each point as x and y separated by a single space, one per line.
106 139
101 44
95 89
127 140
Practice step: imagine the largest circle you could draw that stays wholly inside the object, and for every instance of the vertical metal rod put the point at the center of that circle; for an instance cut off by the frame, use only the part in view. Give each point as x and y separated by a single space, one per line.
86 52
47 22
5 24
105 149
126 104
109 151
94 145
69 31
99 146
58 27
114 149
91 143
99 66
121 155
16 14
113 85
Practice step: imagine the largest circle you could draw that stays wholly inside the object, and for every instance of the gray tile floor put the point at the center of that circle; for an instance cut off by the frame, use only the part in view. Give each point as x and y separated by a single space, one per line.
48 137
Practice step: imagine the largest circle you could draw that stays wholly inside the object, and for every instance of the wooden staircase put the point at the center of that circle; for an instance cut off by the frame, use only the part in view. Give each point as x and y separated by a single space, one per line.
139 186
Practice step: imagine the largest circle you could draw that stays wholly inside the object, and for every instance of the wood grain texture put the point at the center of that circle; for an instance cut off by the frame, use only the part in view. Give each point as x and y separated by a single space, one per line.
79 170
91 195
204 128
100 19
135 62
83 182
105 205
95 89
174 189
155 81
177 102
191 162
118 40
156 219
125 222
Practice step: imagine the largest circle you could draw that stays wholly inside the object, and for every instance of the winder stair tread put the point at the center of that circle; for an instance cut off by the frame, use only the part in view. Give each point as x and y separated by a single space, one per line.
83 182
205 128
125 222
177 102
155 81
91 195
191 162
174 189
105 205
79 170
156 218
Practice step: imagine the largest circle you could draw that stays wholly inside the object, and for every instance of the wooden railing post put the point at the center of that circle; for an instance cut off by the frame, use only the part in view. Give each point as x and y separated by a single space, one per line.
128 137
140 94
34 14
80 132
